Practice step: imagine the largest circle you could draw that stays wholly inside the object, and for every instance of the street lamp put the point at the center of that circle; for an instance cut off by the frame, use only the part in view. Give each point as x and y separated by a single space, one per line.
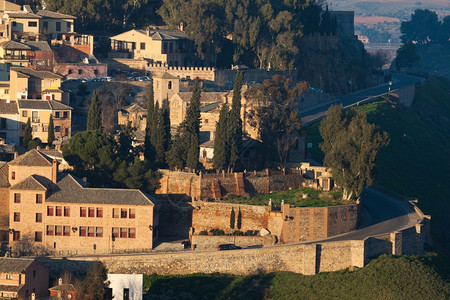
390 84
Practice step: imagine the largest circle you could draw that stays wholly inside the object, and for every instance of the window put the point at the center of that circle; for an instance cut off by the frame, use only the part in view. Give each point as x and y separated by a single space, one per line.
69 26
59 211
66 211
123 232
66 231
142 46
50 229
132 233
80 71
24 113
169 85
132 213
2 123
38 217
66 131
115 232
9 276
13 175
58 26
17 217
57 114
45 25
99 212
16 197
50 210
37 238
6 92
123 213
58 230
34 271
14 23
91 231
82 211
69 71
38 198
95 72
16 236
91 212
32 24
83 230
57 128
126 294
115 212
65 114
99 231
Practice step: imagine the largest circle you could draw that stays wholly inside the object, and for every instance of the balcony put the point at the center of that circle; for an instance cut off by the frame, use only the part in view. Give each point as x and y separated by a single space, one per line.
35 120
16 57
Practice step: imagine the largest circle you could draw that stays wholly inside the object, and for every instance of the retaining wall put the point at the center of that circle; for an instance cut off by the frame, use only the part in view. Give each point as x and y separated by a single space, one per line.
202 242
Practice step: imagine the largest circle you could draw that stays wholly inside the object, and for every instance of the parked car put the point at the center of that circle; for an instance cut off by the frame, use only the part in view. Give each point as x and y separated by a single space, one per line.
228 247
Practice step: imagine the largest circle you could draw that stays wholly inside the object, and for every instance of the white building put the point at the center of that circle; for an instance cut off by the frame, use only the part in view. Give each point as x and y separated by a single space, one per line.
126 286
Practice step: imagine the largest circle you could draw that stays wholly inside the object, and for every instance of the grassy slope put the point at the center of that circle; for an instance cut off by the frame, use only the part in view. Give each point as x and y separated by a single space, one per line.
416 163
383 278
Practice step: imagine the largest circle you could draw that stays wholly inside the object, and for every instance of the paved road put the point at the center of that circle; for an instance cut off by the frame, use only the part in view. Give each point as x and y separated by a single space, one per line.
399 80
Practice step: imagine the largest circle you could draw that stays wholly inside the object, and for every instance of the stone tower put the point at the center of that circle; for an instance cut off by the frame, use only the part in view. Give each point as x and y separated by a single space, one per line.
165 87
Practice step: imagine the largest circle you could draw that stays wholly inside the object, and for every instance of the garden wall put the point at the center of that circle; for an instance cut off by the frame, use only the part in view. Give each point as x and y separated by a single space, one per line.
202 242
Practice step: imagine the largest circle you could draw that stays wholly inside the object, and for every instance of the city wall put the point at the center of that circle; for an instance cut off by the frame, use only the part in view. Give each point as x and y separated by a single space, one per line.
203 242
308 259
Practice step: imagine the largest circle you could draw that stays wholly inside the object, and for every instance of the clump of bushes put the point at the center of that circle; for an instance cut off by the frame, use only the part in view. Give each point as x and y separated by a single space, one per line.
251 232
238 233
203 232
217 232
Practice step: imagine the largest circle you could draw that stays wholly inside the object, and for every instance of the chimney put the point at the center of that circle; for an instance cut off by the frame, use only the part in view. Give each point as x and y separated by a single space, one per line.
38 148
16 154
60 281
148 30
54 170
181 26
47 147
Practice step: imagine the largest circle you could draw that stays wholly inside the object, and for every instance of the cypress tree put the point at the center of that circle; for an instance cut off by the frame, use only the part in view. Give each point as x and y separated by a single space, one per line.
51 131
158 136
94 120
239 220
191 130
149 149
166 125
232 218
27 133
235 123
220 140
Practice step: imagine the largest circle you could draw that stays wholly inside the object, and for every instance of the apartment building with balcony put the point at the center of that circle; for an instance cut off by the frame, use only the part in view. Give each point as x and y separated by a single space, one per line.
158 45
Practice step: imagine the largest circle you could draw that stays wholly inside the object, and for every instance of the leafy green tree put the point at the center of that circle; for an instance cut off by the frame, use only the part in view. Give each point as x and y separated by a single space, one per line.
275 115
234 123
232 218
176 157
27 133
422 28
137 175
350 145
94 119
406 56
96 282
34 143
51 131
220 140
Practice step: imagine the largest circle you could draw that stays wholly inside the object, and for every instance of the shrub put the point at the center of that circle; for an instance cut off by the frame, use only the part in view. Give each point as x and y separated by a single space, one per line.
249 232
203 232
238 233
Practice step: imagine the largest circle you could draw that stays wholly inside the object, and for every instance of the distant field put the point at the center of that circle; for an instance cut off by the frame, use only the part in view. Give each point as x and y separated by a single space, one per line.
375 20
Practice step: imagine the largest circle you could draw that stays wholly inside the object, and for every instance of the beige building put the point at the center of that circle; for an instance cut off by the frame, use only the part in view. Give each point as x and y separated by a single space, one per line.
26 83
20 278
39 111
134 114
158 45
24 22
9 122
57 212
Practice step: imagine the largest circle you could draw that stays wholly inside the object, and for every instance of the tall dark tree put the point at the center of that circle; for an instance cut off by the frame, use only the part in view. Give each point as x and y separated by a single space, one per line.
51 131
234 123
27 133
166 125
220 140
422 28
94 119
96 282
191 128
239 220
275 115
232 218
150 130
125 147
158 137
351 145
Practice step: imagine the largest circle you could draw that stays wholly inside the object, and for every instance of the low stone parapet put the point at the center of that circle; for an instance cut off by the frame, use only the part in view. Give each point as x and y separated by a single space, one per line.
203 242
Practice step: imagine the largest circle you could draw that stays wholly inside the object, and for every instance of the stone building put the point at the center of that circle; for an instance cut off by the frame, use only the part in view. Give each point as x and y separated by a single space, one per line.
20 278
58 213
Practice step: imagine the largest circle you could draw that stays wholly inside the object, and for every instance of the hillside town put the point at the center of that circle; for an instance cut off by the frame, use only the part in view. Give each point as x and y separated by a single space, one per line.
129 154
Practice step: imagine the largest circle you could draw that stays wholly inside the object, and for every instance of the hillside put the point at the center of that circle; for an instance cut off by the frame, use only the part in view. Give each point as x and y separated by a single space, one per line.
416 161
383 278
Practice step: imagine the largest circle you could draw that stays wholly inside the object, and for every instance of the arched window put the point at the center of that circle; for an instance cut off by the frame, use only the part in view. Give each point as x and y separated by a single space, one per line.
169 85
